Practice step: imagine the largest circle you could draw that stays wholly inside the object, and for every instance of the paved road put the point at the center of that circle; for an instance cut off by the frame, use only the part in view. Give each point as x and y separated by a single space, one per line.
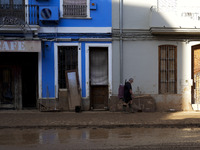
31 129
34 119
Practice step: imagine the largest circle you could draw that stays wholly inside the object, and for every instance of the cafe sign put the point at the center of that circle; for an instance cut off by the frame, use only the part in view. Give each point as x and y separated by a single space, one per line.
20 46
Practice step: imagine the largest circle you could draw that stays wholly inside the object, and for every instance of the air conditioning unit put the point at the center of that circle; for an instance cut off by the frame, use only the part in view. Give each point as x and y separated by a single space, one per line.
48 13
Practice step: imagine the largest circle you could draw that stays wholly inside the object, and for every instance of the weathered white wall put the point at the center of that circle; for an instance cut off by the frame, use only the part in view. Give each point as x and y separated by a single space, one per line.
140 53
115 67
115 14
170 19
141 63
136 13
143 14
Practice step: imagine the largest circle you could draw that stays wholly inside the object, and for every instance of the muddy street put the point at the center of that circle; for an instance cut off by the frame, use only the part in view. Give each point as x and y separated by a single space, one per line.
99 138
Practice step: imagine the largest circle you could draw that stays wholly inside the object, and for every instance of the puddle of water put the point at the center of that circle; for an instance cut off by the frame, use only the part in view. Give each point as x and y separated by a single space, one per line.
93 138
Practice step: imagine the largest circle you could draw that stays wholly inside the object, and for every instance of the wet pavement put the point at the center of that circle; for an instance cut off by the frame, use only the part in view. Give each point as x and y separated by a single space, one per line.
100 138
106 119
31 129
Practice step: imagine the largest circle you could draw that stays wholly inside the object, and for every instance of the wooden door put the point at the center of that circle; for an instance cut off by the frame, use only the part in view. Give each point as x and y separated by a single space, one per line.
6 87
196 74
99 77
73 86
10 87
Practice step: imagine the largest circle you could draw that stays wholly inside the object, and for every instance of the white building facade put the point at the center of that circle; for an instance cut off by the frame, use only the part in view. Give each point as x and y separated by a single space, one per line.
157 42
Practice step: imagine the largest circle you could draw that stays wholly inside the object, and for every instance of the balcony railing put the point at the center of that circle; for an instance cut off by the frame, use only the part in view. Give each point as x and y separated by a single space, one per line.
75 10
15 14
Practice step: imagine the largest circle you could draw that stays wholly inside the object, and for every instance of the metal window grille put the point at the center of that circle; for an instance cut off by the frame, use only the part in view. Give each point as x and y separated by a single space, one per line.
13 14
67 60
167 69
75 8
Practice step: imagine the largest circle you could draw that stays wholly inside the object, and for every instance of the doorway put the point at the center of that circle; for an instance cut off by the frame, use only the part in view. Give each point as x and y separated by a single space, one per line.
67 60
98 77
29 80
196 74
18 76
7 86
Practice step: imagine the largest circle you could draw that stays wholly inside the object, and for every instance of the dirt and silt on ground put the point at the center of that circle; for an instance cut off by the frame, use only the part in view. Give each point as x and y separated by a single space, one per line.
99 130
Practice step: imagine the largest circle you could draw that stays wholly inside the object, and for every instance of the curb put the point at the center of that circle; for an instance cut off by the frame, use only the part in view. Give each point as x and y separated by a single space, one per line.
196 125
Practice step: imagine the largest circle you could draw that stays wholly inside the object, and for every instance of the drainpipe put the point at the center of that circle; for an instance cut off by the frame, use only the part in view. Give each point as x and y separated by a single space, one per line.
121 41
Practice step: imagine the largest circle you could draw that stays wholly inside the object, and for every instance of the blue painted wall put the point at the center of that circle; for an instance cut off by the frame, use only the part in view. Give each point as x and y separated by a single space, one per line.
45 2
100 17
48 82
48 78
83 73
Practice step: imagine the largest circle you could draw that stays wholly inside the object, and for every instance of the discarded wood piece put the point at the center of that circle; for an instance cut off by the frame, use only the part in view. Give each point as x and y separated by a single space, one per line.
73 88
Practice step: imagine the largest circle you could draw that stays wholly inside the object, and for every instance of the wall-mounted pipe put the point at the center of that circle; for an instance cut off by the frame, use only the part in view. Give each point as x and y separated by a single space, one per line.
121 41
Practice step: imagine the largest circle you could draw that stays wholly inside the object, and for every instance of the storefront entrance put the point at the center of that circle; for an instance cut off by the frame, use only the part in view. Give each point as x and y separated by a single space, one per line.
18 80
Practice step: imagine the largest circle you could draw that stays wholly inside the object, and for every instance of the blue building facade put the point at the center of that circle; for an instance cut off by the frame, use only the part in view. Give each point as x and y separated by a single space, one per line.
65 36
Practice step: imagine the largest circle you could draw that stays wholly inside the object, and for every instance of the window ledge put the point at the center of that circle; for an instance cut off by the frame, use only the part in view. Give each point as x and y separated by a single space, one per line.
17 29
174 31
76 18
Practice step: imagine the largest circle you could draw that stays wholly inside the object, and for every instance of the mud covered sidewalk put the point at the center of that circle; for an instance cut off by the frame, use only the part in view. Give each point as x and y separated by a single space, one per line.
103 119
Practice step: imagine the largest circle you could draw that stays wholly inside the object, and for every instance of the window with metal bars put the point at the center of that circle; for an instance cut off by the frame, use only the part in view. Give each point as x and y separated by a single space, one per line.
12 8
167 69
74 8
16 12
67 60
